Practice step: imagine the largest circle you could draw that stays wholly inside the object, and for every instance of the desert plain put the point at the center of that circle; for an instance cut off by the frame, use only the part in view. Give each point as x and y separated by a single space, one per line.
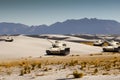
25 59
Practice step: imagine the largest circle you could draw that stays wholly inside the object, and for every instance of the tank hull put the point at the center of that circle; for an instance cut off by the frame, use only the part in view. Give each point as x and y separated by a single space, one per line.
112 49
8 40
58 52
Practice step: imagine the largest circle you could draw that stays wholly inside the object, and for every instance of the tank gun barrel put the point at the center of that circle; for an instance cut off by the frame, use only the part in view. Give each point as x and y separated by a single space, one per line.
105 40
50 41
110 43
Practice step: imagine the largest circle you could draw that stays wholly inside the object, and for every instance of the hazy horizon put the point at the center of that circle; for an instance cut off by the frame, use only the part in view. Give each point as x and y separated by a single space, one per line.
38 12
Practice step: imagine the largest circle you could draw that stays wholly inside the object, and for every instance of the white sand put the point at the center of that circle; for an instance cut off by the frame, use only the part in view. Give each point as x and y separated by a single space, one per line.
58 75
23 46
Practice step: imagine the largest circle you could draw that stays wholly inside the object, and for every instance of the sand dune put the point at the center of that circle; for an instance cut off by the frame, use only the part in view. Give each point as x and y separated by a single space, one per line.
23 46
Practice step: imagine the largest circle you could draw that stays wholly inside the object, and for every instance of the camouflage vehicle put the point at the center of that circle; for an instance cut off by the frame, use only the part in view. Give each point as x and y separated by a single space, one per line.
58 48
112 47
9 39
98 43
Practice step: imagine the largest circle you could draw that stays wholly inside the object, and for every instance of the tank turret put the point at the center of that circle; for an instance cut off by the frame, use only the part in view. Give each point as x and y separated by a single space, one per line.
58 48
98 43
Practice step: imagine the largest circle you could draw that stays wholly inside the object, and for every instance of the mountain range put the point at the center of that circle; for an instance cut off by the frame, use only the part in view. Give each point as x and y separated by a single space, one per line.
72 26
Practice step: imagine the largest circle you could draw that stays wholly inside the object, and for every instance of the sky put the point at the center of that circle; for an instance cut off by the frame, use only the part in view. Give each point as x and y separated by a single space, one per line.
38 12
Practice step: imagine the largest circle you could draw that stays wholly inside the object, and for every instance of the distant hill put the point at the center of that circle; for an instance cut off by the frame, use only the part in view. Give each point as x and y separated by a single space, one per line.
85 25
13 28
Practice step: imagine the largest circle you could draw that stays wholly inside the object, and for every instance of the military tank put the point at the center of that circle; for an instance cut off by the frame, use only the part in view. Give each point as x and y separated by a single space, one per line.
113 46
9 39
58 48
98 43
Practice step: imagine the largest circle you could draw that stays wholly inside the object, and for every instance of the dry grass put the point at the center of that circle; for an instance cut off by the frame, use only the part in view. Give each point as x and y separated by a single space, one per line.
69 60
76 74
95 64
87 43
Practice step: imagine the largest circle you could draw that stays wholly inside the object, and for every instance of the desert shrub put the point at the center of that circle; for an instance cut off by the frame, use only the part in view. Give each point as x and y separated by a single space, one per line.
76 74
91 54
23 63
107 67
22 72
73 63
33 66
39 65
64 66
25 70
95 71
83 65
77 55
105 73
45 69
9 72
